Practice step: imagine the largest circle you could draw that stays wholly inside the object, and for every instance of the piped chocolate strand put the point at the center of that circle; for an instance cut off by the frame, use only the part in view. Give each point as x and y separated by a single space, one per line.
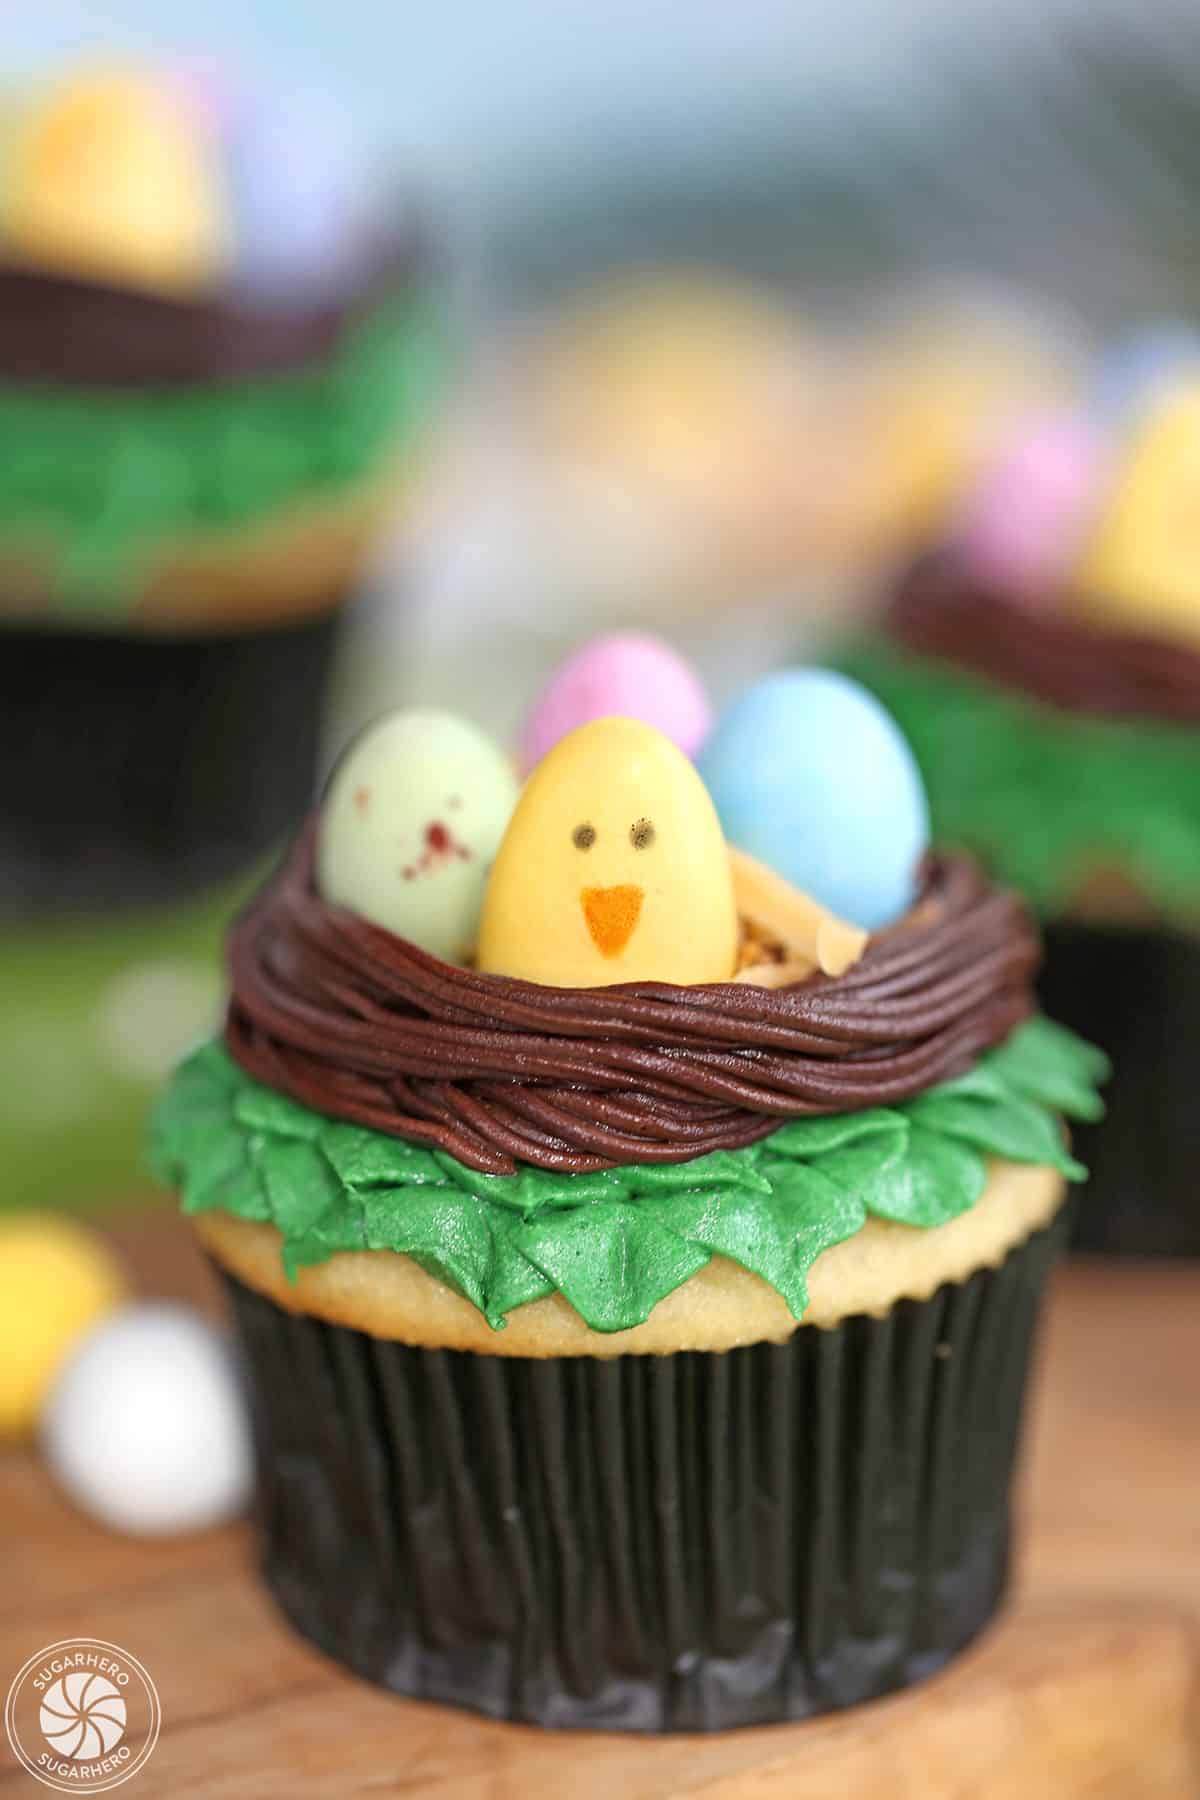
942 612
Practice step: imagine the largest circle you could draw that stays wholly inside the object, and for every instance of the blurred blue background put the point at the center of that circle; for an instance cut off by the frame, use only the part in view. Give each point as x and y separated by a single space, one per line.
1052 143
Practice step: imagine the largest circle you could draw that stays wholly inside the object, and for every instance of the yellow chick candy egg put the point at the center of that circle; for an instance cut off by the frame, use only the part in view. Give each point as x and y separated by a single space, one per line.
108 179
409 827
1142 566
613 868
56 1279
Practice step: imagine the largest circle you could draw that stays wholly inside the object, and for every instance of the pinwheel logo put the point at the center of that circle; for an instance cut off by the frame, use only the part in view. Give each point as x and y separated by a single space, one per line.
82 1715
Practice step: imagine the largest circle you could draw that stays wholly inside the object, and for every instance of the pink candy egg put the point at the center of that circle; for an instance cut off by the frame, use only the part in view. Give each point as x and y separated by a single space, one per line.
623 674
1026 519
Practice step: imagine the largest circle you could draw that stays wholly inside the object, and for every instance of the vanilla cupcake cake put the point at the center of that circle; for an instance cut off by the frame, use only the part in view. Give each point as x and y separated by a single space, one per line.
636 1259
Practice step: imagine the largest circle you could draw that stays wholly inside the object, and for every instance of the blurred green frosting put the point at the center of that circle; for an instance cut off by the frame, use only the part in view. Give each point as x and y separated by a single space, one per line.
96 1010
615 1243
1044 797
106 475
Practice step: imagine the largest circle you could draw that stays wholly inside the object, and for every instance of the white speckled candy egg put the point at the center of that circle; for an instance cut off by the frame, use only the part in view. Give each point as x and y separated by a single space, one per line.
412 819
145 1428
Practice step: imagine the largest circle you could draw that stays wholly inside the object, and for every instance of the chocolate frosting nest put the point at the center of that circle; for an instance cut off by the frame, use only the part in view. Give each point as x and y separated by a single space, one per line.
940 610
58 328
362 1025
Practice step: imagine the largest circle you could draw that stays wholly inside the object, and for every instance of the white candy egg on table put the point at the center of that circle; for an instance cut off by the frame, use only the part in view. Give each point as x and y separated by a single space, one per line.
145 1429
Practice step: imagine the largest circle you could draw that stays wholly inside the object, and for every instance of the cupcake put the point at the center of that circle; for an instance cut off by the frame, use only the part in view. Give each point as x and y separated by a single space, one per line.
217 352
1044 662
636 1261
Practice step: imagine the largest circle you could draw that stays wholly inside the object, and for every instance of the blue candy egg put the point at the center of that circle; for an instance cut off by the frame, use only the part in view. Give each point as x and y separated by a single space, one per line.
294 192
812 776
1141 368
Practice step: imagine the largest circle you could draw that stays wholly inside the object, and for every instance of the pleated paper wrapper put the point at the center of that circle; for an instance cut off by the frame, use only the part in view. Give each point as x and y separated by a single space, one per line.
1136 993
686 1542
148 767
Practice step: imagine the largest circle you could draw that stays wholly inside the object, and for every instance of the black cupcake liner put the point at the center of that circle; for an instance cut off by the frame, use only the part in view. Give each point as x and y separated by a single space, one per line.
1136 993
648 1543
139 769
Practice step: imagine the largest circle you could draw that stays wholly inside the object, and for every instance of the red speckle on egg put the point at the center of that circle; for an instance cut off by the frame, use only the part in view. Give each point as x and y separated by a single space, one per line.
454 802
440 848
362 799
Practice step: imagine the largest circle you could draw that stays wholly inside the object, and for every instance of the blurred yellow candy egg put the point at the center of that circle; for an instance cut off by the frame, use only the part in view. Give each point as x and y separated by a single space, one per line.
677 370
56 1279
108 179
691 389
1142 566
613 868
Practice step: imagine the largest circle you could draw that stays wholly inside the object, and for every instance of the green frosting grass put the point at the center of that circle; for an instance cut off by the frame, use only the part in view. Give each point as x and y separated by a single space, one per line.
616 1243
1043 796
107 475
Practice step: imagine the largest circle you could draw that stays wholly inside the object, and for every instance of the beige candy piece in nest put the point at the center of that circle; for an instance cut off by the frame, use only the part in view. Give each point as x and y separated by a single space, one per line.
773 911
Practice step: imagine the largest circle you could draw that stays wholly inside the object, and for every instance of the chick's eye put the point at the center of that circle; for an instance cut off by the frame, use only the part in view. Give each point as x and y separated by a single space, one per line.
641 834
583 837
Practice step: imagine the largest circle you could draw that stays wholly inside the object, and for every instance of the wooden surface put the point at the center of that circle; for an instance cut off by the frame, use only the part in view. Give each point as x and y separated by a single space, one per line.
1089 1686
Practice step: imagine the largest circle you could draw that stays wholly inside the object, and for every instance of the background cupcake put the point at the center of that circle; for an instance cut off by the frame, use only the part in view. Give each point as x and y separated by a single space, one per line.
217 350
1044 665
221 340
656 1357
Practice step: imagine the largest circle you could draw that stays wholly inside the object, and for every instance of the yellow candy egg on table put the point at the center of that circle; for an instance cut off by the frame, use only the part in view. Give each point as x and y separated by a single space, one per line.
1142 566
56 1279
613 868
110 180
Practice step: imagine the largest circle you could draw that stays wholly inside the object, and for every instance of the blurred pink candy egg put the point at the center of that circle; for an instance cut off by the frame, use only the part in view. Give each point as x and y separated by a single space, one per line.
1025 521
623 674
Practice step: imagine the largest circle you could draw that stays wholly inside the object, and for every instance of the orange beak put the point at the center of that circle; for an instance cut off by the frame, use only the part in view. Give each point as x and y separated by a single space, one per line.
612 914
